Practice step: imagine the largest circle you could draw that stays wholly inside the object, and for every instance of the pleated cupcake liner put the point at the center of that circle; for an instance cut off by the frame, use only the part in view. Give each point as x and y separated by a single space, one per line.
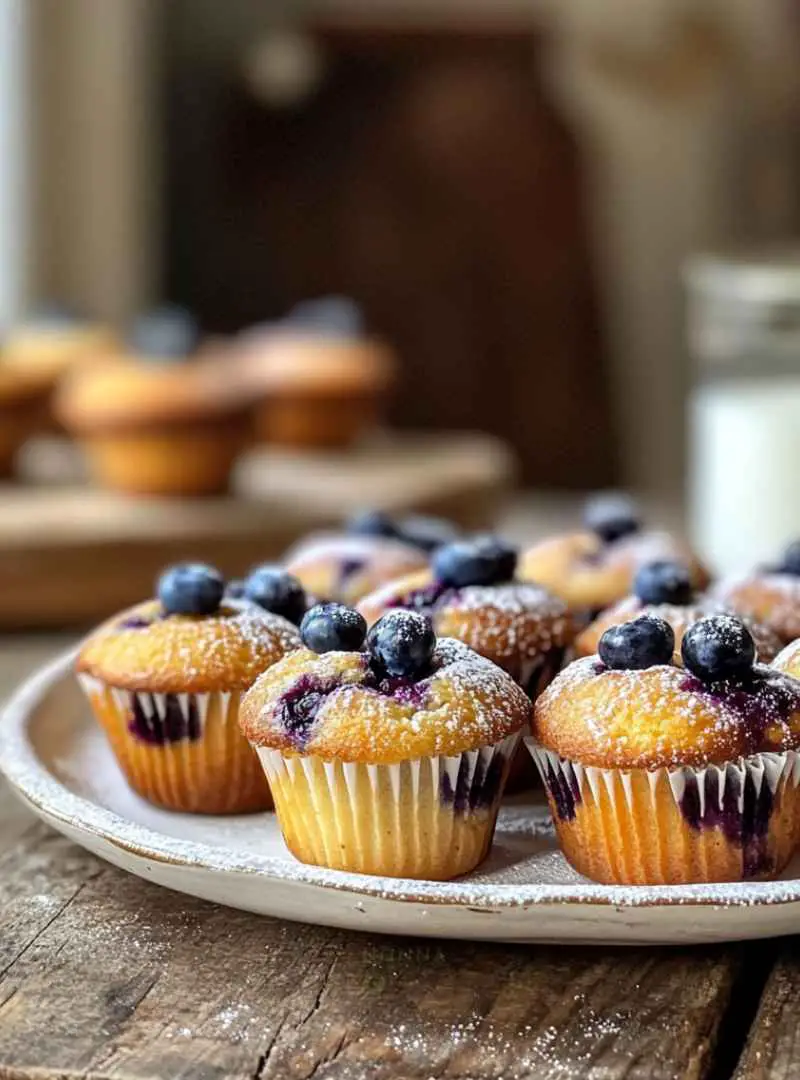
430 818
735 821
181 751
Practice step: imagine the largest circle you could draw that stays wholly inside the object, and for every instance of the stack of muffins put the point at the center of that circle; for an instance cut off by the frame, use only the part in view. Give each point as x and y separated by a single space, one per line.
377 687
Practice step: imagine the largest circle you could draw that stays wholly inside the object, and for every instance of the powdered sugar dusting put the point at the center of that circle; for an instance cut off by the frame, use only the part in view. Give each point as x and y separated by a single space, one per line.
466 703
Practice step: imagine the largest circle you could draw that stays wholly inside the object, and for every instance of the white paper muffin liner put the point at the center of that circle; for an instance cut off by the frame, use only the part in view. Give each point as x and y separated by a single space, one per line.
429 818
197 761
748 808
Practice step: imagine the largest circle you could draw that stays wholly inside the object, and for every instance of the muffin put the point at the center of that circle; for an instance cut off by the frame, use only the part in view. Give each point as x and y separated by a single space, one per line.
788 660
657 774
23 402
665 589
345 567
470 594
320 382
165 679
770 595
595 568
156 425
55 340
389 760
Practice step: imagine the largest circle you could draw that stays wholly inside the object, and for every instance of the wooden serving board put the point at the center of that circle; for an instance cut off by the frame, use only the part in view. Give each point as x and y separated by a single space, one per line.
71 554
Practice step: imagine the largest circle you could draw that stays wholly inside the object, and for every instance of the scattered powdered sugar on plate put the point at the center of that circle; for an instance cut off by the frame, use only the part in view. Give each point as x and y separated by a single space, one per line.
58 760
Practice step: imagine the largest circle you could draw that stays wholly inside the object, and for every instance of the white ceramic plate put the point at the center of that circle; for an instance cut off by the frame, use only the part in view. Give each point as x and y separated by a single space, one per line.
57 759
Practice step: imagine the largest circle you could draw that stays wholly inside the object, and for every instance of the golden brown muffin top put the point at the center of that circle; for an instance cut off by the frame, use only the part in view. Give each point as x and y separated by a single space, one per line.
771 597
338 566
334 706
132 394
290 361
510 624
663 716
680 617
590 574
143 649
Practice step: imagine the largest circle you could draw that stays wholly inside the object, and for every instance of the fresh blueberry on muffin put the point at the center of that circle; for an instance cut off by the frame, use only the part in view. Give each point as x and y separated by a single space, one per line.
333 627
664 589
391 760
165 679
276 590
660 774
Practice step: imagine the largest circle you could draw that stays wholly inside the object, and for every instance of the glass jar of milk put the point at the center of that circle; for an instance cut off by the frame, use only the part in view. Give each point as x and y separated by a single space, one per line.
744 423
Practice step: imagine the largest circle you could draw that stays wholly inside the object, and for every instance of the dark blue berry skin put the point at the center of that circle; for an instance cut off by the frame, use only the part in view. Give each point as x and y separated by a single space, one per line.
401 644
333 316
719 648
791 559
664 583
167 332
611 517
484 560
427 533
190 589
333 628
234 590
639 644
372 523
273 589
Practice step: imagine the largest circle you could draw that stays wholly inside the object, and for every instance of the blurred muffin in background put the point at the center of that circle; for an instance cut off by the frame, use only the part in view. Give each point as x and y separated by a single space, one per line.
158 421
23 407
320 381
55 339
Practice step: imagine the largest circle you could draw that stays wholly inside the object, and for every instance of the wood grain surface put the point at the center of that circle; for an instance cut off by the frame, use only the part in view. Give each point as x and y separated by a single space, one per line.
104 976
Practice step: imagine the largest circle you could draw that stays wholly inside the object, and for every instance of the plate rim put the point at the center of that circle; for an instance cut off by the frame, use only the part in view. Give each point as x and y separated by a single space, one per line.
52 800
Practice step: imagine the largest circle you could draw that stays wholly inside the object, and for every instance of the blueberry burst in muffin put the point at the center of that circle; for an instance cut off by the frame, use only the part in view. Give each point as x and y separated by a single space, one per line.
664 588
595 567
470 594
658 774
770 595
165 679
386 752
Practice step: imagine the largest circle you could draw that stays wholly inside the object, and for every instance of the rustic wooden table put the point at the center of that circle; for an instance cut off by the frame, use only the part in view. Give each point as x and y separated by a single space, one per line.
103 975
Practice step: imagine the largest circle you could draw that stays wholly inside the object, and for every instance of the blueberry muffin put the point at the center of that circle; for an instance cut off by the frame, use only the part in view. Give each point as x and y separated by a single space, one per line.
770 595
387 760
595 567
345 566
165 679
665 589
470 594
658 774
159 420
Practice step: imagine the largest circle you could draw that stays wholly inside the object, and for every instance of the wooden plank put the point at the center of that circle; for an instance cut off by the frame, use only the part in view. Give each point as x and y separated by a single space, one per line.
106 976
773 1048
71 555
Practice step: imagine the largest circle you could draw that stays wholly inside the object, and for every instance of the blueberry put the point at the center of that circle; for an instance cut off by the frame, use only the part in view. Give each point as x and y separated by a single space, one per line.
401 644
167 332
484 560
234 590
427 533
333 316
372 523
333 627
717 648
664 583
791 559
275 590
638 644
190 589
612 516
